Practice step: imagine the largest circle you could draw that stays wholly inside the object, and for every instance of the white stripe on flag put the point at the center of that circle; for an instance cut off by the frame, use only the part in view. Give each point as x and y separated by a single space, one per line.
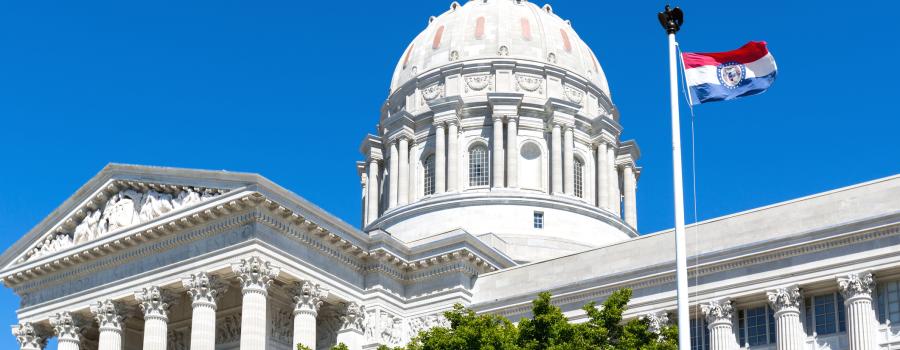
709 74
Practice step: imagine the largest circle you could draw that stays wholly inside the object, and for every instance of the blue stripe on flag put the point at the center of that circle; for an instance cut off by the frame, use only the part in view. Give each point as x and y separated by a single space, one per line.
716 92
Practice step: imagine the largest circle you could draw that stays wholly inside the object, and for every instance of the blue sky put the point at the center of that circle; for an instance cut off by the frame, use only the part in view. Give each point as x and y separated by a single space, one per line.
287 89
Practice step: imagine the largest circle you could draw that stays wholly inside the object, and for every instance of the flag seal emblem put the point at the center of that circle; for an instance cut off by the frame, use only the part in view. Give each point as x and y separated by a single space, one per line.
731 74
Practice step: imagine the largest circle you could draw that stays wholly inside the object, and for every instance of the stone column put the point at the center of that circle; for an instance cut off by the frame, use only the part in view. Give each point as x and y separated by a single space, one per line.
68 330
352 328
308 298
372 196
255 276
657 321
512 152
718 315
393 176
630 196
861 322
413 182
111 320
440 159
569 160
403 176
30 337
786 303
613 180
452 156
204 291
602 177
155 303
556 176
497 152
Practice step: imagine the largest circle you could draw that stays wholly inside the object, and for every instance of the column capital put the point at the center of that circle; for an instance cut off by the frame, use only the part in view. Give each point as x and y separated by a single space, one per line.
657 320
353 318
255 274
717 311
155 302
785 298
308 297
204 289
110 314
67 326
31 336
856 285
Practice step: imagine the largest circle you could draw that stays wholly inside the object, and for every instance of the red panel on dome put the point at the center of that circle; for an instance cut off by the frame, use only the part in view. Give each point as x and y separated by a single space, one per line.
526 28
437 38
565 38
408 52
479 28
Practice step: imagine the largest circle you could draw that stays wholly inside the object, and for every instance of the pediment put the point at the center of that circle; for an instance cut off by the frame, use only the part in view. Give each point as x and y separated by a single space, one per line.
118 198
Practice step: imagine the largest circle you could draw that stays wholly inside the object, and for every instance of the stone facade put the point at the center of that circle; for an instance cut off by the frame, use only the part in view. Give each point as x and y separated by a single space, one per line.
496 173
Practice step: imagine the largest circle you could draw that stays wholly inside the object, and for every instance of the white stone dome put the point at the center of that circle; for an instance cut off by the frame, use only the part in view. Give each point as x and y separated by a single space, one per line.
497 29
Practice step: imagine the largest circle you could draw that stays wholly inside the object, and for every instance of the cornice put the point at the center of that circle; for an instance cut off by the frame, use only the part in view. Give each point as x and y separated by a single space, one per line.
658 275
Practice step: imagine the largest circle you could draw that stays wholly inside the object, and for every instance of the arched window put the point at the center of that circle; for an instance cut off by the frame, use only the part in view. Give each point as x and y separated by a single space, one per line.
579 178
478 166
429 175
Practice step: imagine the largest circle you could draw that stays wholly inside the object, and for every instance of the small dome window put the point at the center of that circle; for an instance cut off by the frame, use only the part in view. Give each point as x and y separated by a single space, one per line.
436 44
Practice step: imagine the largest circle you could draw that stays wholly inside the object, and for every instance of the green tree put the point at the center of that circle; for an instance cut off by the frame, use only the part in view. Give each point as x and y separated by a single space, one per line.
547 329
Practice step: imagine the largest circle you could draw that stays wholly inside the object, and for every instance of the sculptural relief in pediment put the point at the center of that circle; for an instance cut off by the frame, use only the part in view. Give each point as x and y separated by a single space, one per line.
125 208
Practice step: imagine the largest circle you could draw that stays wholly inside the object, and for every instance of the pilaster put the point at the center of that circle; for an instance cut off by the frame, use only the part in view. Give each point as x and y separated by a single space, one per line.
352 328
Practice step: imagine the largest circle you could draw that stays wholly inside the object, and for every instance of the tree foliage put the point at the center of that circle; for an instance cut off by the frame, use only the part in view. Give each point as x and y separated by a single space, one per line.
548 329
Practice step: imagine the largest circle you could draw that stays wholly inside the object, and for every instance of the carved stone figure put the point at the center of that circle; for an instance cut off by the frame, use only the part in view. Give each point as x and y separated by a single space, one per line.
155 204
86 230
120 211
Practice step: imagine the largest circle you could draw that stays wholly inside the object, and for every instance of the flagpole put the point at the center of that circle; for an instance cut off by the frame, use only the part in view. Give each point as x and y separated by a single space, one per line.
671 20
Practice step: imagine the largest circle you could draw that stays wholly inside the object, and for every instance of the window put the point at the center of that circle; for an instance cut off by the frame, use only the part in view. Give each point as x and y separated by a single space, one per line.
756 326
478 166
825 314
538 219
888 295
579 178
429 175
699 334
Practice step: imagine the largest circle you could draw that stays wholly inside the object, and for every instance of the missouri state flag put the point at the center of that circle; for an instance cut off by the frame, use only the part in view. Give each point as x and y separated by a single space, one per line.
720 76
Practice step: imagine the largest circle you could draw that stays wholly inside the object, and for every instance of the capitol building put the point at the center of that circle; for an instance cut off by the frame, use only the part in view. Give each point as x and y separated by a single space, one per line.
496 171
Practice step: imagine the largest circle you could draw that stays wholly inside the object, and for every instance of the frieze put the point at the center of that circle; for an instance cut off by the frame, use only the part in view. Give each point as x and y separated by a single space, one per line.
479 82
529 83
178 339
573 94
282 325
228 328
433 91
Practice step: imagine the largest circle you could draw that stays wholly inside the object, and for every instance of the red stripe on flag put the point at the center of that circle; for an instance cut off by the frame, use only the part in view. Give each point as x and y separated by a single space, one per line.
750 52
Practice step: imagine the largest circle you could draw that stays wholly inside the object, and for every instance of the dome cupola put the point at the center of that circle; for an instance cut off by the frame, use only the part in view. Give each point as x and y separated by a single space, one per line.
499 123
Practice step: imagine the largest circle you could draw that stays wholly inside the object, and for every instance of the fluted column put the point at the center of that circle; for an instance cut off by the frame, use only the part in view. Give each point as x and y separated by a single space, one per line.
352 328
788 329
30 337
255 276
556 176
861 322
497 153
440 159
718 315
403 178
613 180
67 328
512 152
569 160
393 176
412 179
372 196
110 319
308 298
602 177
155 304
204 291
452 156
630 188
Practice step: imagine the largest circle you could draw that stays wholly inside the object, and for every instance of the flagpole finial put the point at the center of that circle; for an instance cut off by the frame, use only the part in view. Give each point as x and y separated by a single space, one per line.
671 19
